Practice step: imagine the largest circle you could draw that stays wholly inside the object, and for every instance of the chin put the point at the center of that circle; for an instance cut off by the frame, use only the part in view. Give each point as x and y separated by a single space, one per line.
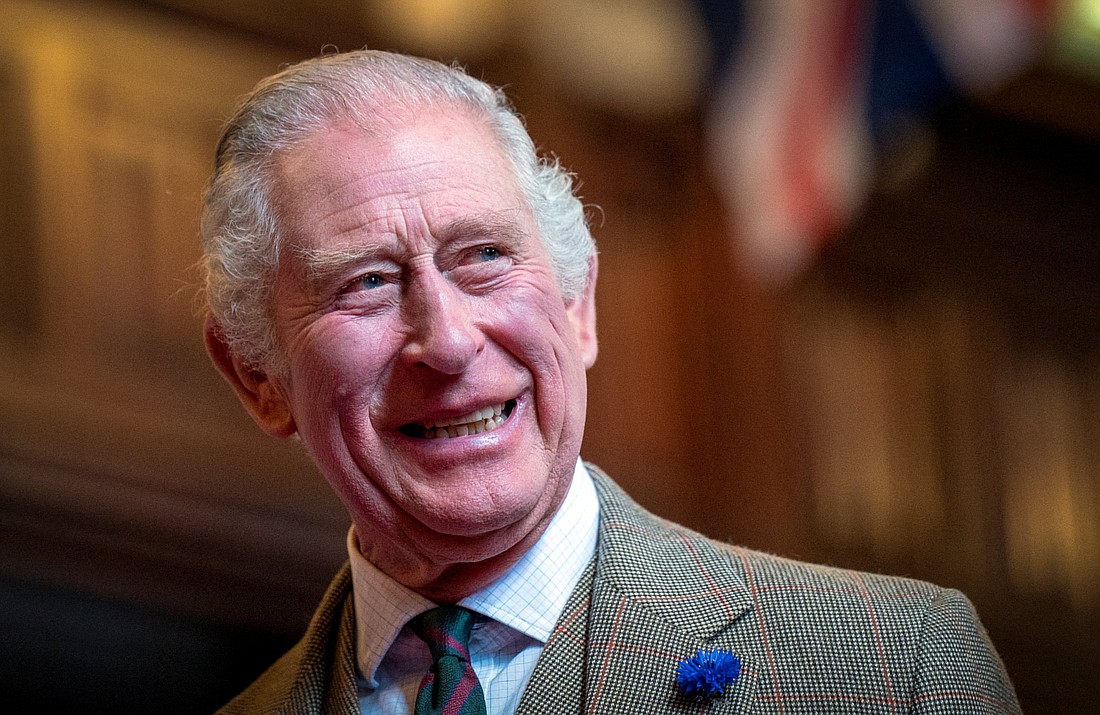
473 522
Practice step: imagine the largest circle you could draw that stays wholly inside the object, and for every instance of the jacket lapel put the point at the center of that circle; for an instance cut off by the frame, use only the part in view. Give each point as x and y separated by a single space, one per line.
557 684
660 595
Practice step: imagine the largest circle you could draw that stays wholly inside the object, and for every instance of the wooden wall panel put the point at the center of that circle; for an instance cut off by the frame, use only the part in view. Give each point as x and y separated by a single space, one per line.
116 437
945 356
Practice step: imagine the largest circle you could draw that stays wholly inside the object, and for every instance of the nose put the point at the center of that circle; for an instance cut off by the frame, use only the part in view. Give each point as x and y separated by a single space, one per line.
442 332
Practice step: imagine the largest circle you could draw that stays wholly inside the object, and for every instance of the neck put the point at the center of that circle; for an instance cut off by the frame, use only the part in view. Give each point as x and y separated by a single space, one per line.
449 582
458 581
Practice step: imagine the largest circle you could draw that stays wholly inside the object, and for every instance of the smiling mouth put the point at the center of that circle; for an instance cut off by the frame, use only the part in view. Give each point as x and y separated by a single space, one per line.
478 421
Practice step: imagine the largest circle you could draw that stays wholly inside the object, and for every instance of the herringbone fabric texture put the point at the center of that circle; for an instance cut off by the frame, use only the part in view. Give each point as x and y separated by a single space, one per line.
450 687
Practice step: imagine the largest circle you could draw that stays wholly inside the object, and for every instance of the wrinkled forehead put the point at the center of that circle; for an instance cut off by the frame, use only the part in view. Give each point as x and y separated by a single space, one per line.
386 125
384 117
420 173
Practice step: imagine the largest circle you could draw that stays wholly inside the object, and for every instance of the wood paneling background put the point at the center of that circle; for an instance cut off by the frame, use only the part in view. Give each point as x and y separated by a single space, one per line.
114 431
926 401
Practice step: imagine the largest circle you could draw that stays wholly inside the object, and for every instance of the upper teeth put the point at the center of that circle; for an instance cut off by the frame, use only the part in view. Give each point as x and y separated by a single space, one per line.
476 416
476 422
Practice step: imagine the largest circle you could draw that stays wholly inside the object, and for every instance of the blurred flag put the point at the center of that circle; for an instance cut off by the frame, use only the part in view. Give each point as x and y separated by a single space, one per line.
807 93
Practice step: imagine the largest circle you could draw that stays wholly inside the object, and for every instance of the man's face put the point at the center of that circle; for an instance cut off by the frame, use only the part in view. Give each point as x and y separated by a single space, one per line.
434 371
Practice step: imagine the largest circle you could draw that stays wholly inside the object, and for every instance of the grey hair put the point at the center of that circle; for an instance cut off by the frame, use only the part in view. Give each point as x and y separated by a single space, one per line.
240 228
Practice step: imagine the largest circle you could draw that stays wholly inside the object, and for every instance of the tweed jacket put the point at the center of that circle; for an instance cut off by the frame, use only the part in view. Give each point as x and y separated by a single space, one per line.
811 639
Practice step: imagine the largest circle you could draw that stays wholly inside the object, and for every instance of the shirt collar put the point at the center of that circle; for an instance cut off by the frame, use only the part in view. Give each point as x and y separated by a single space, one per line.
529 597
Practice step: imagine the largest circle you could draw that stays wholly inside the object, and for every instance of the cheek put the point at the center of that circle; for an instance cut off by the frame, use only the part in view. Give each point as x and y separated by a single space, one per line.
338 364
536 330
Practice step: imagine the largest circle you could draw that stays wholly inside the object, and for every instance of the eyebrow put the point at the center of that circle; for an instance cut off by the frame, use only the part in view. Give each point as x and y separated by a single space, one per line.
496 226
322 265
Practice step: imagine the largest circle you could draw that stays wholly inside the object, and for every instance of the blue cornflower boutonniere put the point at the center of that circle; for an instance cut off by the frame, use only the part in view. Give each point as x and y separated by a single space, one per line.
706 674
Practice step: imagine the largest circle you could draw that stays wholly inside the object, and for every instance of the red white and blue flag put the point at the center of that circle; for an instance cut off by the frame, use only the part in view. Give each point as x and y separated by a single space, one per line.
808 92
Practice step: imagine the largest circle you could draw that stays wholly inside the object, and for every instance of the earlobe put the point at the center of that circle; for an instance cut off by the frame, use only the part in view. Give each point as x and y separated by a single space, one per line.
582 315
261 397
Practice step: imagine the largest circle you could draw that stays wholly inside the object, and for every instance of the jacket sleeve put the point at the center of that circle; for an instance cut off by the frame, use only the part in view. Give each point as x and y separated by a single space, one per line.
957 668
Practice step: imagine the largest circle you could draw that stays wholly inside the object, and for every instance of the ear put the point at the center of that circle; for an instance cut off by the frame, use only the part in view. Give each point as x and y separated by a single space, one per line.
582 315
260 396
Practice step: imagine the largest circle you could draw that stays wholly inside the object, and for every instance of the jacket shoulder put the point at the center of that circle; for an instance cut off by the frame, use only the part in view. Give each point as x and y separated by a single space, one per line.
814 634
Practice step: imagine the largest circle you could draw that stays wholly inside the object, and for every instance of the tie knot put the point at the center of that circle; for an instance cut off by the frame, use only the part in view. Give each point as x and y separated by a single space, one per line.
446 630
450 687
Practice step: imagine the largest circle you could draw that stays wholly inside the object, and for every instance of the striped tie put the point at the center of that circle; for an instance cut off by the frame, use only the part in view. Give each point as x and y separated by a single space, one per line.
450 687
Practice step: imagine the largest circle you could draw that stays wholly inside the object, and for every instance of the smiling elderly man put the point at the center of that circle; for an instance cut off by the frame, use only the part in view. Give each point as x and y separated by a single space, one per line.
396 277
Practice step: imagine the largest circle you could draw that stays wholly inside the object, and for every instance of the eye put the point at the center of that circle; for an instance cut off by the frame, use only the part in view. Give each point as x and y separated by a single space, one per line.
368 281
478 264
487 253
